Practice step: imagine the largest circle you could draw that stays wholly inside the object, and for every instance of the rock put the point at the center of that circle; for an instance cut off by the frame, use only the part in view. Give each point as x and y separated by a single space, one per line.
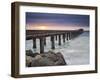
38 57
28 61
61 60
30 53
44 61
51 52
52 56
48 59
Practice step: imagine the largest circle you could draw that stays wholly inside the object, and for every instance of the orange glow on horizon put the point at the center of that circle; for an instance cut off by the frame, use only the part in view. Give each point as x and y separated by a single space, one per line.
42 27
54 27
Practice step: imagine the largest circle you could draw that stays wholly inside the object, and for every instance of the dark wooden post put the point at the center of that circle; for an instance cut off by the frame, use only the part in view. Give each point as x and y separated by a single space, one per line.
72 35
56 37
45 41
34 42
67 36
59 40
64 38
52 42
42 45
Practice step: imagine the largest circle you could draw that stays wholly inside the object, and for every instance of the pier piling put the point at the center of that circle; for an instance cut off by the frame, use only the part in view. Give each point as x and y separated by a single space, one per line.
64 38
45 41
42 45
52 42
67 36
59 42
56 37
34 42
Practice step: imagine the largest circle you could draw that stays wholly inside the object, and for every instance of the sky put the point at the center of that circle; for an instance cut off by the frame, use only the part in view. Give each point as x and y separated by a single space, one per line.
52 21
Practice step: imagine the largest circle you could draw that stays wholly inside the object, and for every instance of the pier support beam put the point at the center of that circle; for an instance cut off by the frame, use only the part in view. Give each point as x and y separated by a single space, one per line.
59 40
56 37
64 38
52 42
67 36
72 35
42 45
34 42
45 41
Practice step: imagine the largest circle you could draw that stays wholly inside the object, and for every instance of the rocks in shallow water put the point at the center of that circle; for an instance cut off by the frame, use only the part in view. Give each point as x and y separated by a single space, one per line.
30 53
51 56
28 61
45 59
60 60
38 57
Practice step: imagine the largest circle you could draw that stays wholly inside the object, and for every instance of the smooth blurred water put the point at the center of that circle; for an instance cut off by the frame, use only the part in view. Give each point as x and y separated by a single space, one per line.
75 51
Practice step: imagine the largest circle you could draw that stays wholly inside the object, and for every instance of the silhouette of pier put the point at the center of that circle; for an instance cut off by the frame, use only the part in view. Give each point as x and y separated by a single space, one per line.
53 34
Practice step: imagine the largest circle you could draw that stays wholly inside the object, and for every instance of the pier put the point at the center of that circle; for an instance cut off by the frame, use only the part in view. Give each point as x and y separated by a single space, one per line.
66 35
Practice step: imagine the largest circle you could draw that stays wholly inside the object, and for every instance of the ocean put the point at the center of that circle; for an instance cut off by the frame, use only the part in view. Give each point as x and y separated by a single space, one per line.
75 51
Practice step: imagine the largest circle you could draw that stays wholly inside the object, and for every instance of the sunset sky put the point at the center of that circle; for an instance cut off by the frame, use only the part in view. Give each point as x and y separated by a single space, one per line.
50 21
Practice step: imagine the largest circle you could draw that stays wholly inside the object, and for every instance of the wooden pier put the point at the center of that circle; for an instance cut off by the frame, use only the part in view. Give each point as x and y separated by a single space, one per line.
53 34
